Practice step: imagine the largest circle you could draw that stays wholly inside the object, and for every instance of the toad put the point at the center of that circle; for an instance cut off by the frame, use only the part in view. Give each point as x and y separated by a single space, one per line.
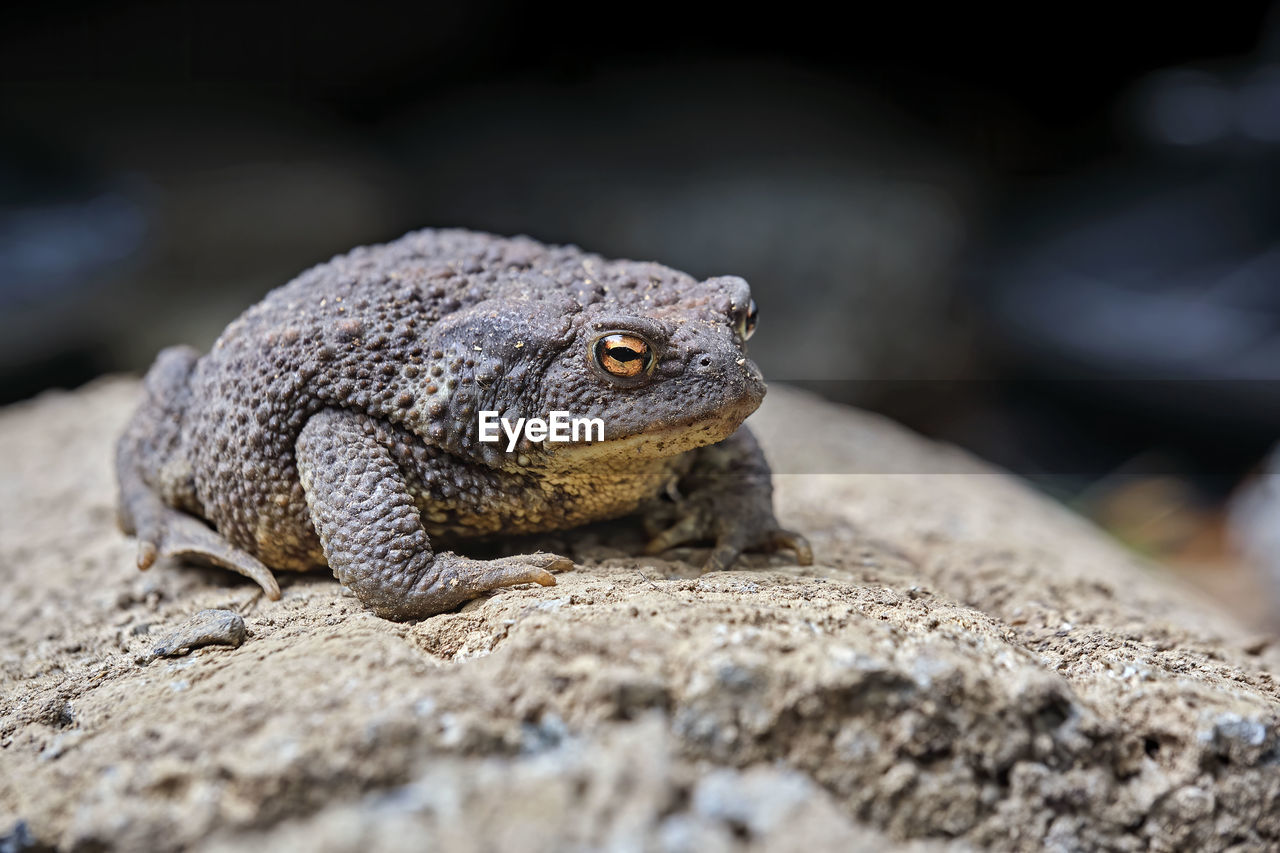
337 421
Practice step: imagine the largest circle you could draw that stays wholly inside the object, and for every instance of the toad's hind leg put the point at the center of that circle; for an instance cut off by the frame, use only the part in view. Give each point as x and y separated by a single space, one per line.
151 445
371 532
163 531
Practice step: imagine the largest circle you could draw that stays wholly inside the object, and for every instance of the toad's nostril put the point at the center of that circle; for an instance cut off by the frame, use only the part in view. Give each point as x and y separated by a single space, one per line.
705 361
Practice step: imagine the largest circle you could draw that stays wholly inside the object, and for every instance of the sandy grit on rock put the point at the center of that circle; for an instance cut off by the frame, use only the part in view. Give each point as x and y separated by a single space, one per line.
966 666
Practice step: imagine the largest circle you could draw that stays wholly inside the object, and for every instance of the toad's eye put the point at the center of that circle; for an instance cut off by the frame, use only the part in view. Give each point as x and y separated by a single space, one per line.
747 323
624 355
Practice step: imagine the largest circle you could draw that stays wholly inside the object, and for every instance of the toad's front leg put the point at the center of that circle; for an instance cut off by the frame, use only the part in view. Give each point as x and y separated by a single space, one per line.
371 532
727 498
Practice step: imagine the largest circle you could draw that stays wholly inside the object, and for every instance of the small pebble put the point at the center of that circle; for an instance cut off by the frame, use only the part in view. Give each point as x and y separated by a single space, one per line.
206 628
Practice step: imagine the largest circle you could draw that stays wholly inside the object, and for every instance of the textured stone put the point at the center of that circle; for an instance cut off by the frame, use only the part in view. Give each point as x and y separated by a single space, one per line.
966 664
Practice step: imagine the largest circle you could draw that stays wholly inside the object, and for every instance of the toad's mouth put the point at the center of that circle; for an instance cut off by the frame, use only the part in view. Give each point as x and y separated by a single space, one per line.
659 441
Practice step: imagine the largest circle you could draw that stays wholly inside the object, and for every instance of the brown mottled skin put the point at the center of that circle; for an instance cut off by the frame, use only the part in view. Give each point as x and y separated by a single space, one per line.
335 422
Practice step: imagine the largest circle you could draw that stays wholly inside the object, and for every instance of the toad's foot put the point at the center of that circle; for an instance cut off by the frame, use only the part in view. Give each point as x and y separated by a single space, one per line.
728 499
165 532
460 575
414 590
735 523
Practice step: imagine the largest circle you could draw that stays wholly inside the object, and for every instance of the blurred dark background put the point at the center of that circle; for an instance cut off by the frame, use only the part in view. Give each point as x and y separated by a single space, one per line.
1052 237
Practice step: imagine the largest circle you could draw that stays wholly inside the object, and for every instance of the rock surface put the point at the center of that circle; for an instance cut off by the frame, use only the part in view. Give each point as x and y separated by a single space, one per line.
967 666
